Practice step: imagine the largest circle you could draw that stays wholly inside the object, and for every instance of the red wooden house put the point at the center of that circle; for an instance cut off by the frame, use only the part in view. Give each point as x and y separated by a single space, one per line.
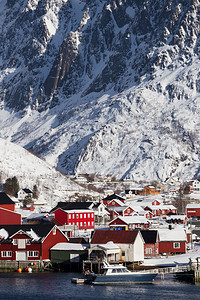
151 242
83 218
6 202
129 223
29 242
172 241
9 217
193 210
79 214
111 198
161 210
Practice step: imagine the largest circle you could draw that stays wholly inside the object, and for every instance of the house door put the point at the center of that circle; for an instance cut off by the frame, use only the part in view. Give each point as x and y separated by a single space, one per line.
21 255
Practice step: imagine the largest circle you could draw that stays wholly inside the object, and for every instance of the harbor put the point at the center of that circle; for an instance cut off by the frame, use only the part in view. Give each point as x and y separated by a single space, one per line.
52 285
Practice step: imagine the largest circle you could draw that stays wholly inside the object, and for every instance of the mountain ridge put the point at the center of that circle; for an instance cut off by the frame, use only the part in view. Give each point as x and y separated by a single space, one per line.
104 86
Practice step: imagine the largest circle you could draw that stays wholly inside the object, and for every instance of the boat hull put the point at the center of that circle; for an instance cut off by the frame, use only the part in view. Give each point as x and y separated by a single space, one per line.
125 279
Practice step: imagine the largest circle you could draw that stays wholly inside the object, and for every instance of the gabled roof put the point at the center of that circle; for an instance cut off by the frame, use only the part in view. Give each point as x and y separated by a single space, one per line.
131 220
149 236
119 237
40 229
72 205
121 203
5 199
113 196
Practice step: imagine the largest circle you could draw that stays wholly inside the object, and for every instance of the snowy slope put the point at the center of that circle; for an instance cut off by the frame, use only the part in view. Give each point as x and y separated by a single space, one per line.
107 87
31 170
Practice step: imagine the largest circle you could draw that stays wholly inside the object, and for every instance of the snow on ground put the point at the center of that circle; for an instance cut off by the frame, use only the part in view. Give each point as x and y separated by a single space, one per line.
175 259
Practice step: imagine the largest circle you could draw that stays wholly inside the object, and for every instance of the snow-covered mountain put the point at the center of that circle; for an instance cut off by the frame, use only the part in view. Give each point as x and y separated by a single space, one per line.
107 87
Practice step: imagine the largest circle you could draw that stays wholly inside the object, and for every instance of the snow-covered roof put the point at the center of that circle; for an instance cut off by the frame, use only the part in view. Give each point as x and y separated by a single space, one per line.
68 247
3 234
109 246
34 236
134 219
175 217
167 235
193 205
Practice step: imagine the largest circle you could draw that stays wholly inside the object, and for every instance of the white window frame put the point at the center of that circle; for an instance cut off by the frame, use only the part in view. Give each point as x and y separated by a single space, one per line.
6 253
15 242
33 253
148 251
176 245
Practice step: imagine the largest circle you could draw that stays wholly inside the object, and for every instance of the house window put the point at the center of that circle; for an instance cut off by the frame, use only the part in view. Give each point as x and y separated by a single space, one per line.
81 216
33 253
6 253
84 216
28 242
88 215
176 245
77 216
81 224
84 223
54 231
69 216
128 210
88 223
15 242
148 251
92 223
123 253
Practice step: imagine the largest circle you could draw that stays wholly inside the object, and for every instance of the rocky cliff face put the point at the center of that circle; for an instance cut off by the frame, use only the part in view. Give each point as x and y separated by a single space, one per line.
103 86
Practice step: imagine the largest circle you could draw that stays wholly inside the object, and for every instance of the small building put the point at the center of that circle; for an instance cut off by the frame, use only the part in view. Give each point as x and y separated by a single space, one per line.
149 190
176 219
129 223
67 253
24 193
151 243
6 202
172 241
194 186
193 210
131 243
109 252
29 242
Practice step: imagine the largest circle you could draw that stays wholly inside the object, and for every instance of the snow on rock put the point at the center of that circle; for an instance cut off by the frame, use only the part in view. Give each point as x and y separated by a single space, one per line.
93 87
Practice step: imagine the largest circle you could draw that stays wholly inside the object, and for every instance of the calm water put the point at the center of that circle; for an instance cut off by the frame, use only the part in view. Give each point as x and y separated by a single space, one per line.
58 286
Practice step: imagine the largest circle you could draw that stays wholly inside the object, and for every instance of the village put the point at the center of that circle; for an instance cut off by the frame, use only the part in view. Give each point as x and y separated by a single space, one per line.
141 227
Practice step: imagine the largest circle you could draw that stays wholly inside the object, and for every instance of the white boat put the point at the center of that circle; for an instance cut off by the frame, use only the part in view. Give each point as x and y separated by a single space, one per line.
118 274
